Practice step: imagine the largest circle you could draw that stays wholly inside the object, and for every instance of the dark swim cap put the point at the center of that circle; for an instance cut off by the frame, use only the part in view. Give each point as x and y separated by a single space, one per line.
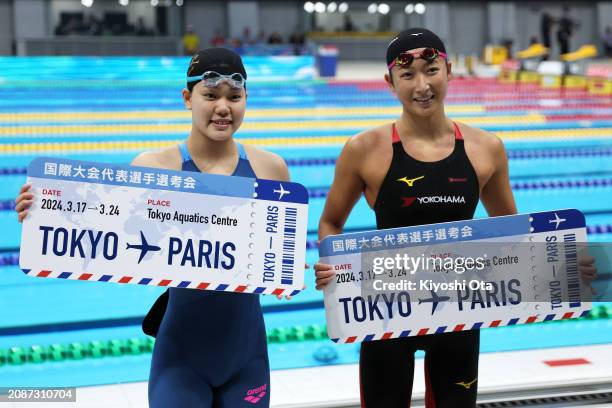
220 60
411 39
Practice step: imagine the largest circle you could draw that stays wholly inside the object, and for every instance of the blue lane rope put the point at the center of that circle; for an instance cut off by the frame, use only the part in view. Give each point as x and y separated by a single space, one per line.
321 192
328 161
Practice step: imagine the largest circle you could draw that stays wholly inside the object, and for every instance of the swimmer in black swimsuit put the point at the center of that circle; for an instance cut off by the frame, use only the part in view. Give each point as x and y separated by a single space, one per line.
422 169
416 192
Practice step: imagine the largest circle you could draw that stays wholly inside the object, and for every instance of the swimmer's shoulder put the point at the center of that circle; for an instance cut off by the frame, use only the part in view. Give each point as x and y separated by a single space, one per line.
168 158
482 142
368 142
265 164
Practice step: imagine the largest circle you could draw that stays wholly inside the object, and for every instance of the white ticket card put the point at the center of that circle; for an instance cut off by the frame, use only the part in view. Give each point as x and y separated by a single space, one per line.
135 225
455 276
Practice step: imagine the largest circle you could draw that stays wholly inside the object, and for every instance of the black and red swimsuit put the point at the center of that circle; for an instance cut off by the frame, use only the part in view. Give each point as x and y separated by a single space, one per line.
416 193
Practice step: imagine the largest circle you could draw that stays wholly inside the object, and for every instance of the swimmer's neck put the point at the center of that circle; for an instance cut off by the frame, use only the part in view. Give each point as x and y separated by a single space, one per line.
207 152
434 127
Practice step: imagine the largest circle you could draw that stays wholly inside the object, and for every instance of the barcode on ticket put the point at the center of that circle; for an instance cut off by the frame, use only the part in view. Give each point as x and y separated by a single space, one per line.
571 262
288 245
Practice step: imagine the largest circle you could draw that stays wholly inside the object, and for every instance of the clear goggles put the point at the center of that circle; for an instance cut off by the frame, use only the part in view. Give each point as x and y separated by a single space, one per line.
212 79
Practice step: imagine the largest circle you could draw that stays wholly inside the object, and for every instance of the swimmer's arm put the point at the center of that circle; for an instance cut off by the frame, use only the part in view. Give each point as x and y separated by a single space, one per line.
344 191
343 194
496 195
23 202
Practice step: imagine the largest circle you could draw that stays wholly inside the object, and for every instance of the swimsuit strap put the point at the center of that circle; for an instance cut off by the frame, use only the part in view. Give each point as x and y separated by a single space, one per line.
395 135
184 152
186 156
241 152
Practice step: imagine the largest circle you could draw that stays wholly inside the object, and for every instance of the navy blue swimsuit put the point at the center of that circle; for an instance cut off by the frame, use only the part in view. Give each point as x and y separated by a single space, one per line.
211 346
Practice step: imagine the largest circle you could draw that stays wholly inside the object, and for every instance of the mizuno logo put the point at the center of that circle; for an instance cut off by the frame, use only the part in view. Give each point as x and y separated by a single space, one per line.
465 385
407 201
410 182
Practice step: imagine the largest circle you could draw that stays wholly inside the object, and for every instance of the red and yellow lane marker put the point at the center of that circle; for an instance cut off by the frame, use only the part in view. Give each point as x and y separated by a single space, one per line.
185 114
157 128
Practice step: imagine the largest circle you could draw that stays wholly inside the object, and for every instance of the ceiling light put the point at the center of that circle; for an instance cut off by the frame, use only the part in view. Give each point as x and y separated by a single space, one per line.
309 7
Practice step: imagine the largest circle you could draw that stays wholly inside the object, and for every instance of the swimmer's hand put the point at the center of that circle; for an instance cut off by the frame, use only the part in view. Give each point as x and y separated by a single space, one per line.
288 297
324 274
587 269
23 202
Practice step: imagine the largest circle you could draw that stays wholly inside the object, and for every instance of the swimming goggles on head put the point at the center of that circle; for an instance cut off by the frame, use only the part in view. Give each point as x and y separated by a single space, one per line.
212 79
406 57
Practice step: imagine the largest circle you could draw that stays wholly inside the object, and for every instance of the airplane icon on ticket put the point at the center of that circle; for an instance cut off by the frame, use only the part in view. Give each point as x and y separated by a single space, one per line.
144 247
281 192
434 300
557 221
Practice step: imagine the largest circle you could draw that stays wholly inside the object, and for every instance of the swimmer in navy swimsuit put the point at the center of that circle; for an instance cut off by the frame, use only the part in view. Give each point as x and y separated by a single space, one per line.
211 346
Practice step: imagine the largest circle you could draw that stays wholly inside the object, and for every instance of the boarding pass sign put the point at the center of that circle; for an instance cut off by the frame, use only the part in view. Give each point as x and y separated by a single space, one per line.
455 276
115 223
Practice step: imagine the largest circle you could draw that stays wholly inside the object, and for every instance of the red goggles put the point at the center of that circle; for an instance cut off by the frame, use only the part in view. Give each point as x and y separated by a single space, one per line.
406 57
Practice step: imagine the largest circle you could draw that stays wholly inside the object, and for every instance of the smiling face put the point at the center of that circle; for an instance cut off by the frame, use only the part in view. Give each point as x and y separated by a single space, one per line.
421 87
217 112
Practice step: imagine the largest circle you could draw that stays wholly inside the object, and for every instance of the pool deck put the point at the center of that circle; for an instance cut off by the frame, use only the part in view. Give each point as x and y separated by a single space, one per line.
516 374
